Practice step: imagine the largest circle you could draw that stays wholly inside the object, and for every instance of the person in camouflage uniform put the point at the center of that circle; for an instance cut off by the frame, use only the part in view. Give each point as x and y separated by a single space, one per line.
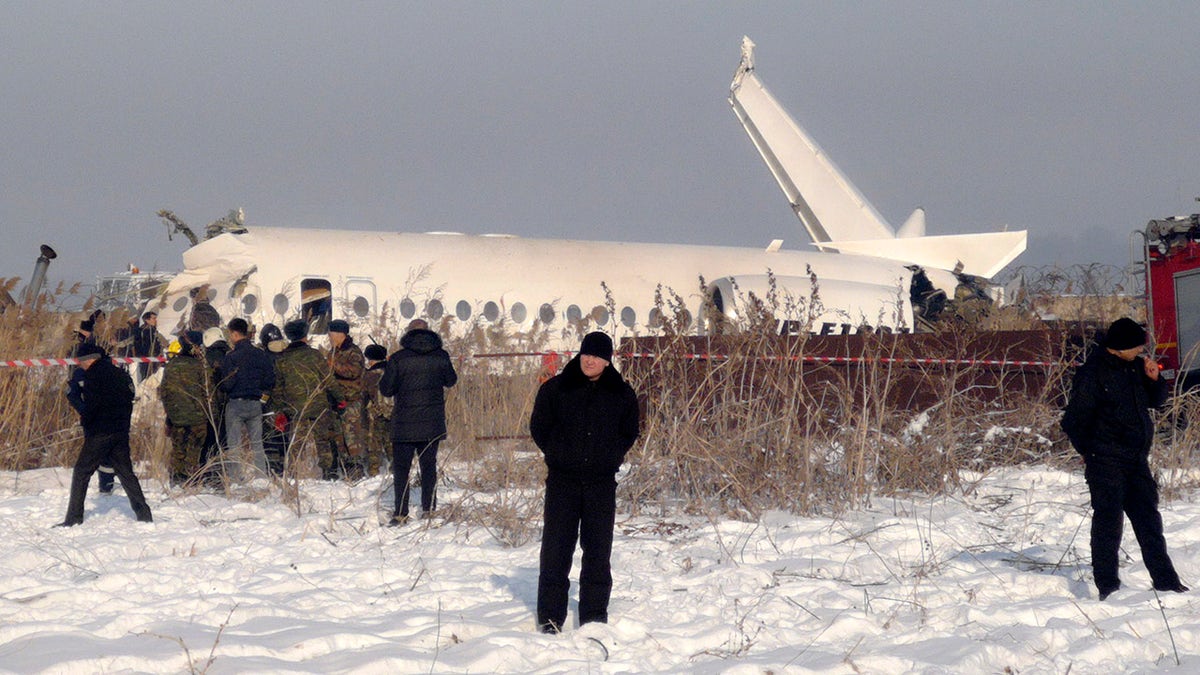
301 393
376 410
346 363
185 381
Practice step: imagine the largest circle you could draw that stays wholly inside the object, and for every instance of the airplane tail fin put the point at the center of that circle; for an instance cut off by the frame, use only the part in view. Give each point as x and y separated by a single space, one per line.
836 215
828 205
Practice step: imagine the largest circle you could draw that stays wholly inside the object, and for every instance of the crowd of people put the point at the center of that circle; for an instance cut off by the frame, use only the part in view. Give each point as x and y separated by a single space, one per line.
302 411
236 410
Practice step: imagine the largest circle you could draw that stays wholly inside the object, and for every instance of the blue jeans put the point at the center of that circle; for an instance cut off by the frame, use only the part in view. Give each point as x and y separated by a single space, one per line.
246 413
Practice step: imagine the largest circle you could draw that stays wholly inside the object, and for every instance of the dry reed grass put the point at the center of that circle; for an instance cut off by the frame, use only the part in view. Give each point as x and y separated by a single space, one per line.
730 438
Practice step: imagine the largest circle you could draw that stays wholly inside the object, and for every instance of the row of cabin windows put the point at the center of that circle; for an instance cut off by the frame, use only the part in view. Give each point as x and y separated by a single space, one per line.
317 308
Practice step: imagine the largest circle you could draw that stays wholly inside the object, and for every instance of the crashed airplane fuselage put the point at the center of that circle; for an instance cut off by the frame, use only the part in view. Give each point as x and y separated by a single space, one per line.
863 275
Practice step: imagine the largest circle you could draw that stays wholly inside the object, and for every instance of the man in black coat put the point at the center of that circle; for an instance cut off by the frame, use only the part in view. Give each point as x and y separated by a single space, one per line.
1108 422
584 421
247 377
147 342
416 377
107 396
86 335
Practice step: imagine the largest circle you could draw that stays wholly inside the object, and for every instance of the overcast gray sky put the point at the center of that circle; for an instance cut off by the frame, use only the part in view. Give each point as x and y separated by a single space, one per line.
596 120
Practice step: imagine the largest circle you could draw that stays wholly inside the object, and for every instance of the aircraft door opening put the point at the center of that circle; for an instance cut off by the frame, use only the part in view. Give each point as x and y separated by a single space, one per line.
316 305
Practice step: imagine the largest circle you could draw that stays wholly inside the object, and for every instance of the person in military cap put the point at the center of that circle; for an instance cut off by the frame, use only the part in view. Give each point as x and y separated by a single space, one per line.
301 394
346 364
376 410
187 406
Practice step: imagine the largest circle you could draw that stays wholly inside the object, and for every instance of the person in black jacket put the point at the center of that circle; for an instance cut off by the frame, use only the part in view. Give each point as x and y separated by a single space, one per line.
247 376
147 343
1108 422
107 396
86 335
416 377
584 421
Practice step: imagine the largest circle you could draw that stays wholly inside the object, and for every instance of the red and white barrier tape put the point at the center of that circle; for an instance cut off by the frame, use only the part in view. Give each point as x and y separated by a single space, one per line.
22 363
806 358
694 356
809 358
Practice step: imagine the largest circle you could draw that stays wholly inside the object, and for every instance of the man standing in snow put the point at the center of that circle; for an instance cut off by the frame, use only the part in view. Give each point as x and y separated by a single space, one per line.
302 381
107 397
86 335
416 378
1108 422
584 421
146 342
187 405
247 378
346 364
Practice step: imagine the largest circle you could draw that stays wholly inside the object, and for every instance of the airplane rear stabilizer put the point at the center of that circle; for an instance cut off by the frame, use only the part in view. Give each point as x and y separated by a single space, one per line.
834 213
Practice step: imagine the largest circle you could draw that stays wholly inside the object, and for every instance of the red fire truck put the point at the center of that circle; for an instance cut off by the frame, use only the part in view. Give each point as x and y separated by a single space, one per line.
1172 268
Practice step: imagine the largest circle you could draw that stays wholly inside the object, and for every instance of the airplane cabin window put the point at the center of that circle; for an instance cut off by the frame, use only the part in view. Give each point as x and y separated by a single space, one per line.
462 310
434 310
180 304
407 308
316 305
518 312
547 314
600 315
628 317
212 294
361 306
574 314
654 318
249 303
491 311
280 304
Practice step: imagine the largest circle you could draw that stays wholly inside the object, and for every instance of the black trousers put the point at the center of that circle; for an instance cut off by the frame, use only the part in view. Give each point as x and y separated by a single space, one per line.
584 511
1126 490
402 457
111 450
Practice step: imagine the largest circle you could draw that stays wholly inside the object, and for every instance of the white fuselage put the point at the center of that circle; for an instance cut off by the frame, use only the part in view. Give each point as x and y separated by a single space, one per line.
378 281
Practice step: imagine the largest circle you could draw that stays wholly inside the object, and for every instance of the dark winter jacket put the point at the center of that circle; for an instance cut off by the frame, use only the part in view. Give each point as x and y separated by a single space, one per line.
1108 415
416 377
584 428
146 341
246 371
107 399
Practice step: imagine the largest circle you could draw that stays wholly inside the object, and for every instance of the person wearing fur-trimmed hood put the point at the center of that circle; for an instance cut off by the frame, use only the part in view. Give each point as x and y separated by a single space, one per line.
416 378
584 421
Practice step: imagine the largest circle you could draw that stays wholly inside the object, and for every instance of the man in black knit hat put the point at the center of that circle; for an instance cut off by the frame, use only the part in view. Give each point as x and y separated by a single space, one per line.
107 404
1108 422
584 421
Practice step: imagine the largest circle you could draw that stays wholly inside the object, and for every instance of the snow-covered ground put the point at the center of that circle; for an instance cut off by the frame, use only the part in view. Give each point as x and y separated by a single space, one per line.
996 581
